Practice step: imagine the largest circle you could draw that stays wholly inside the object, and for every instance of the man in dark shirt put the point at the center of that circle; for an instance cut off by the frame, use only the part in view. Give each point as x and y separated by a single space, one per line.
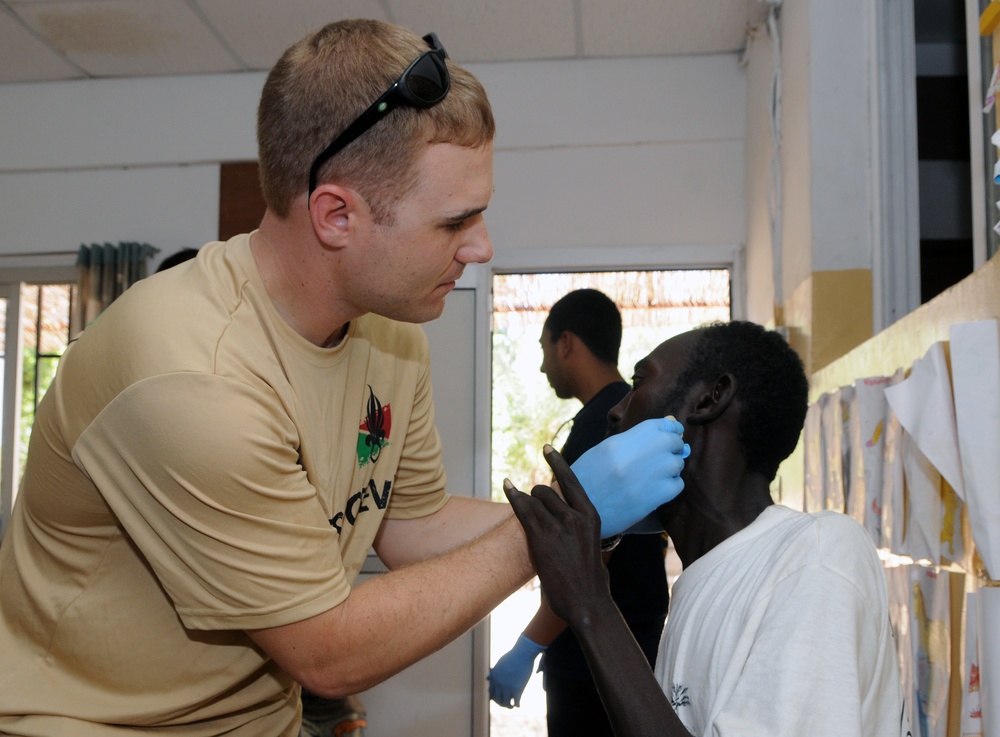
580 343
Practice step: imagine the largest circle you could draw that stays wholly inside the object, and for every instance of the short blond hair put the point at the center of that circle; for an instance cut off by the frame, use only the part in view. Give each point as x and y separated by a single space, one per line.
323 82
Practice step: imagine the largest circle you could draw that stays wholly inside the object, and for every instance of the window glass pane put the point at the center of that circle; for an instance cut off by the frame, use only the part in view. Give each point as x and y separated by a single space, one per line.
45 336
54 319
29 346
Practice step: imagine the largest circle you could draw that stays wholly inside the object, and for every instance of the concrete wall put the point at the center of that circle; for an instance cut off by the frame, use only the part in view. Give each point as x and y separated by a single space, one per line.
759 161
818 257
592 154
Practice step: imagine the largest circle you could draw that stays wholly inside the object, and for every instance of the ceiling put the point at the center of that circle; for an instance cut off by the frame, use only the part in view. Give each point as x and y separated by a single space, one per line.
48 40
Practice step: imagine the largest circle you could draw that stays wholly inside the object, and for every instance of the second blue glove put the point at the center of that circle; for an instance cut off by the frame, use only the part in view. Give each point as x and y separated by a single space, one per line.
511 673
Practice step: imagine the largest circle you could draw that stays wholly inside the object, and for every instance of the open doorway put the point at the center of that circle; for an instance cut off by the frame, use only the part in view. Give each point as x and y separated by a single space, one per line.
655 305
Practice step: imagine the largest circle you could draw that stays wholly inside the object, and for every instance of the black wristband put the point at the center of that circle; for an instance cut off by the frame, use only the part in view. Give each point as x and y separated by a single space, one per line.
610 543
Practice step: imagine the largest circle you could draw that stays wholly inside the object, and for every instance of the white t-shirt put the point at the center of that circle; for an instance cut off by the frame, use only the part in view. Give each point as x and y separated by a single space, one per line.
783 629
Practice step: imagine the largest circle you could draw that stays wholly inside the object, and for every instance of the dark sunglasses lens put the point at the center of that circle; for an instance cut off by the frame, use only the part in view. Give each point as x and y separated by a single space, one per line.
428 80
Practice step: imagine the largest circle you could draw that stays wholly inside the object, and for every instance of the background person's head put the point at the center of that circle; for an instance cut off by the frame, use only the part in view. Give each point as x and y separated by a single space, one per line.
323 82
770 388
594 319
178 257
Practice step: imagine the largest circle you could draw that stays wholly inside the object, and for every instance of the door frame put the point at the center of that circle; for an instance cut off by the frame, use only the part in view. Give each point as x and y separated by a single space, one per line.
611 258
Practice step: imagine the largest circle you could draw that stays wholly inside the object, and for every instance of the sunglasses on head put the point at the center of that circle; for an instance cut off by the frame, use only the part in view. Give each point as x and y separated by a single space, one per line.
423 84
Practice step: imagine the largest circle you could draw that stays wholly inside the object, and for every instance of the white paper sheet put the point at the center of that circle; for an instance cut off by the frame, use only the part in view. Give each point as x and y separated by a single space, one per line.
893 498
972 709
900 600
952 539
867 423
991 91
989 653
815 471
855 482
975 359
924 405
922 540
931 612
833 451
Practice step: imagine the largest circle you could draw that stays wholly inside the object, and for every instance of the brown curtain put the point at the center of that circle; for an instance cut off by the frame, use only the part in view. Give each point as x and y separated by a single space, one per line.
104 271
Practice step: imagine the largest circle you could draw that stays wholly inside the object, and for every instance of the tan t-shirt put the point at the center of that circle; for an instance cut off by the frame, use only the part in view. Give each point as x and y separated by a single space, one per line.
196 469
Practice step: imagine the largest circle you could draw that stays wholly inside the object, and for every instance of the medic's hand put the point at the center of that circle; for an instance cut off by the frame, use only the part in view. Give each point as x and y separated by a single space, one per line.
564 540
629 475
511 673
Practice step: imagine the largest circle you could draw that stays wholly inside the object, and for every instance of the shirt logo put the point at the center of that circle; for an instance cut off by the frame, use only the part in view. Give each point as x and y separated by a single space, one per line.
679 696
373 434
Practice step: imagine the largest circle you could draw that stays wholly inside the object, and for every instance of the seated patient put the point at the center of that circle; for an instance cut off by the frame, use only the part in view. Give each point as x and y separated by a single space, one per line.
779 624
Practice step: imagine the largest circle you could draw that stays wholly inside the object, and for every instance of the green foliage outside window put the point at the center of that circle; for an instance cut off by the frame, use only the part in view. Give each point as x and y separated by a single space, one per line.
526 412
45 366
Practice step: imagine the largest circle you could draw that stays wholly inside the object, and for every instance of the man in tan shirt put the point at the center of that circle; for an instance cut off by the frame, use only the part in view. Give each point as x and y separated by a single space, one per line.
222 446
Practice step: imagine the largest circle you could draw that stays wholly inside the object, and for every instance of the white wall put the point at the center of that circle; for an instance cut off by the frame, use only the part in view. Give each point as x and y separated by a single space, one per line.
169 207
119 160
841 144
759 154
826 155
128 122
597 153
627 152
796 142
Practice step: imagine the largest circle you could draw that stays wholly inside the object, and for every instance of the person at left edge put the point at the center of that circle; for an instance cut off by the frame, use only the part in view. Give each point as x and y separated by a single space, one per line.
220 449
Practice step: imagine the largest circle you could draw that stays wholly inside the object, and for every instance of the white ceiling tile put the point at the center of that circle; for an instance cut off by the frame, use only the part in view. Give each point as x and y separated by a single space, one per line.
655 27
259 31
486 30
23 58
110 38
65 39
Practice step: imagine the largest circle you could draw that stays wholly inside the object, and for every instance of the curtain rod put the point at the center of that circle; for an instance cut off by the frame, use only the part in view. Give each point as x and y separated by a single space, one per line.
74 252
23 254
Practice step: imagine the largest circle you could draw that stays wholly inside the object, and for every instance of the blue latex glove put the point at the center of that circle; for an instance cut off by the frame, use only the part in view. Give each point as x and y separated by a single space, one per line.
629 475
511 673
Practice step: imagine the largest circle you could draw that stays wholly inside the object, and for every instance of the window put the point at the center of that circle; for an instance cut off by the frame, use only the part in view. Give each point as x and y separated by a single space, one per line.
34 334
